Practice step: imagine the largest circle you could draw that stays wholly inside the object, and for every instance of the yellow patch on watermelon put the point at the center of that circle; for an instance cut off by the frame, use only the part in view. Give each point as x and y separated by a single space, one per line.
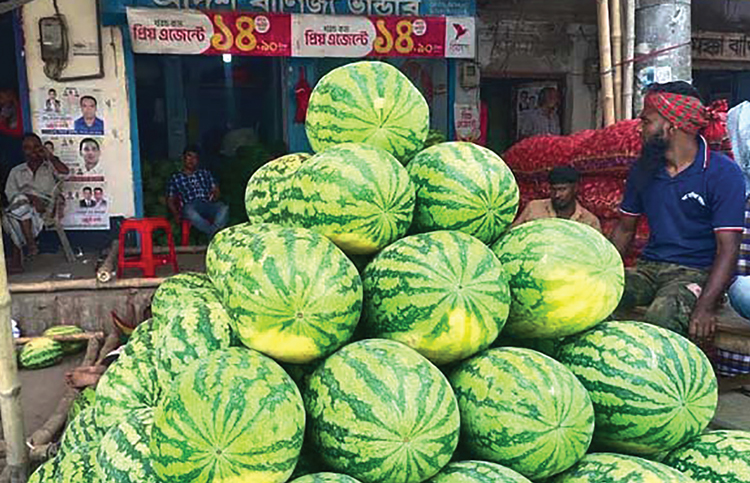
281 345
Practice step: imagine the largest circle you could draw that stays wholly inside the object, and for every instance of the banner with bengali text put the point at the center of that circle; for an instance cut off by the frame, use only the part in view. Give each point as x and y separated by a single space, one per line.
194 32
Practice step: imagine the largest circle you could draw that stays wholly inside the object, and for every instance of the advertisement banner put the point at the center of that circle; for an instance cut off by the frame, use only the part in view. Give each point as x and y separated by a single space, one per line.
70 109
162 31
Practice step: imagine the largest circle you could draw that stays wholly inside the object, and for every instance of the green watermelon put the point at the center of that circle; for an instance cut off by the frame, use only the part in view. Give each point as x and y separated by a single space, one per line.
292 294
523 410
40 352
67 347
477 472
465 187
616 468
715 457
130 384
380 412
368 102
357 195
46 472
444 294
565 277
652 389
85 399
326 478
79 466
124 455
233 416
266 187
82 432
548 347
172 291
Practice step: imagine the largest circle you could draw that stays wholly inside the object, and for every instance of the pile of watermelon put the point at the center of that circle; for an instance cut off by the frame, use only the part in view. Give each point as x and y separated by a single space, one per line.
377 321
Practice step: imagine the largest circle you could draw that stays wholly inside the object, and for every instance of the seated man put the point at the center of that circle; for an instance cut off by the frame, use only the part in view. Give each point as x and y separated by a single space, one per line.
198 192
693 199
30 189
739 292
562 203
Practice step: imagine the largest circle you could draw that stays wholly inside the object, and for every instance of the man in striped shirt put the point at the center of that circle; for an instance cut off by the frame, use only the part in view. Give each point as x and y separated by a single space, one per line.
739 292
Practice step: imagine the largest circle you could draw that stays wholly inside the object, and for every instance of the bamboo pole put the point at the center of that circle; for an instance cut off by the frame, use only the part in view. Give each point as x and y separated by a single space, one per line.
17 459
616 26
605 59
628 74
84 284
64 338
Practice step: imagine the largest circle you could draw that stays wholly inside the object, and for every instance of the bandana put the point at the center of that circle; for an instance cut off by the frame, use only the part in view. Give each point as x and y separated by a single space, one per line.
688 114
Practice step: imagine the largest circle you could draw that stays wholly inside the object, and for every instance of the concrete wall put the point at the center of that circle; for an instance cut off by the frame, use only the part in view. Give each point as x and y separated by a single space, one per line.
116 150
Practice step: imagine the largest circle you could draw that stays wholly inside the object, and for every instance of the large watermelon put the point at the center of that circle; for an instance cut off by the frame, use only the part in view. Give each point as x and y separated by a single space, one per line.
130 384
266 187
477 472
292 294
380 412
123 455
715 457
357 195
233 416
523 410
40 352
325 478
444 294
67 347
616 468
85 399
465 187
565 277
82 432
46 473
368 102
78 466
652 389
172 291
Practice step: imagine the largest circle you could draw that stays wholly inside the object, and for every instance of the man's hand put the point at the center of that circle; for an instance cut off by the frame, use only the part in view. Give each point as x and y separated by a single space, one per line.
702 325
37 203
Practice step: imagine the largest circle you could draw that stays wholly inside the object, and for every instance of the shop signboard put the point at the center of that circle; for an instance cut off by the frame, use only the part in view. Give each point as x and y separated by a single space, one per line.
194 32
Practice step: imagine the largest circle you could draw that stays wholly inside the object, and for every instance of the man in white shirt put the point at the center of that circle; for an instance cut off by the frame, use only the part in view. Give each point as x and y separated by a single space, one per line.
545 119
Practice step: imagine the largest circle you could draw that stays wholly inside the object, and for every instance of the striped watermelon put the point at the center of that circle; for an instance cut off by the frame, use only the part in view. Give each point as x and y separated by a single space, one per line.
357 195
444 294
465 187
233 416
79 466
172 291
292 294
123 455
84 400
565 277
380 412
130 383
267 185
616 468
652 389
46 473
715 457
326 478
368 102
67 347
40 352
477 472
82 432
523 410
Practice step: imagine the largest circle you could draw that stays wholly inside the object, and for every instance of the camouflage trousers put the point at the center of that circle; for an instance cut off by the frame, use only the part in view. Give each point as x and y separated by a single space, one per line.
670 292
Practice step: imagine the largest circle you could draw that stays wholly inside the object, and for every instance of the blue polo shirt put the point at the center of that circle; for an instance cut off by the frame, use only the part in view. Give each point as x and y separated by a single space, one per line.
685 211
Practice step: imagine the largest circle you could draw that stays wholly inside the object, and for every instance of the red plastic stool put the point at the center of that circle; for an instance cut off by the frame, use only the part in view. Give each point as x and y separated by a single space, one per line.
185 231
146 261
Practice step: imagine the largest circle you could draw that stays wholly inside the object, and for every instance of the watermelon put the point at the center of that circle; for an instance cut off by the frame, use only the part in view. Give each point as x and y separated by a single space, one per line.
130 384
67 347
123 455
616 468
358 196
652 389
85 399
465 187
291 293
523 410
78 466
380 412
172 291
232 416
266 187
46 472
40 352
82 432
444 294
368 102
715 457
477 472
326 478
565 277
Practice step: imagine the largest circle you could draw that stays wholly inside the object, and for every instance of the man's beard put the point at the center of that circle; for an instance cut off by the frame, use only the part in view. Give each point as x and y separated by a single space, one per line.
560 205
653 158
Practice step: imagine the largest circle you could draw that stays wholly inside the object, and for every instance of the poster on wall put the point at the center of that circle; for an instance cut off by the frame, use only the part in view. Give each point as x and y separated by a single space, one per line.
84 190
537 109
69 110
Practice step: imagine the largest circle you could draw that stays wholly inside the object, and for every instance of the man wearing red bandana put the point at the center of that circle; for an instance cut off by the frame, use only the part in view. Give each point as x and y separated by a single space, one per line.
693 198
